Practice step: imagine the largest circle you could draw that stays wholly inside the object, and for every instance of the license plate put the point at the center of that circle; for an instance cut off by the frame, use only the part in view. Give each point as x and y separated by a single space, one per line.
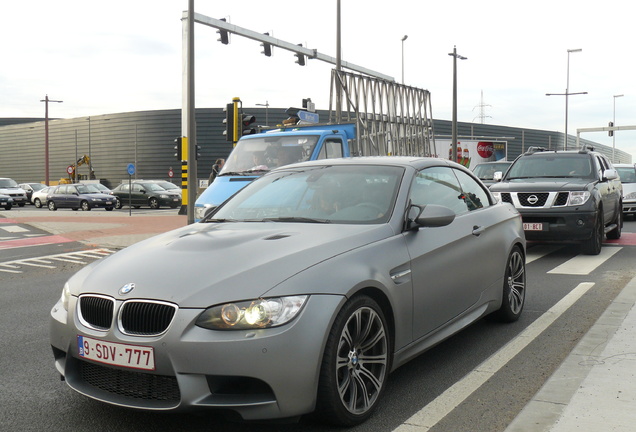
533 227
117 354
109 202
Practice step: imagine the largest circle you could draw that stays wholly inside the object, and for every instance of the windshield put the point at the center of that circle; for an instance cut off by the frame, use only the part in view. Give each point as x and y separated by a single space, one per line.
551 166
87 189
350 194
168 186
268 152
8 183
627 174
487 171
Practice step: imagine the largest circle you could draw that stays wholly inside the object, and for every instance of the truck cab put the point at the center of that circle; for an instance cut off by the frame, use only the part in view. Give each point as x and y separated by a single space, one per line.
254 155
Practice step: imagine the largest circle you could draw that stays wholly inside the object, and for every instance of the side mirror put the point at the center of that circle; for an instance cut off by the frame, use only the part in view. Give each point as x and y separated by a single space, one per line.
610 174
497 176
430 216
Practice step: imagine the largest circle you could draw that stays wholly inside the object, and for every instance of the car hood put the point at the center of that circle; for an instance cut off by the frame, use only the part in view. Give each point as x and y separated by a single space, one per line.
541 185
206 264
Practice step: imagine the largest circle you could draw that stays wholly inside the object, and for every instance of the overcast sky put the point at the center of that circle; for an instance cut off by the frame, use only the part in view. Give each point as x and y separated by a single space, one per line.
121 56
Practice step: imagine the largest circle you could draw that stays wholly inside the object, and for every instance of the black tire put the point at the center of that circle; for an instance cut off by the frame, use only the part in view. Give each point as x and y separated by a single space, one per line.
85 206
593 245
75 208
21 204
8 207
37 203
153 203
109 209
51 205
514 288
615 234
355 365
118 204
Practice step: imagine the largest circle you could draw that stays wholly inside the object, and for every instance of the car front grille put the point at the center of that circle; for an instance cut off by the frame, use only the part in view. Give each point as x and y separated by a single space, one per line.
135 385
533 199
136 317
145 318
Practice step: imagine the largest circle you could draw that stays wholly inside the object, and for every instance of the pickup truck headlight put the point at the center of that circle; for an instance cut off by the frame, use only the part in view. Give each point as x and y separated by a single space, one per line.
255 314
578 198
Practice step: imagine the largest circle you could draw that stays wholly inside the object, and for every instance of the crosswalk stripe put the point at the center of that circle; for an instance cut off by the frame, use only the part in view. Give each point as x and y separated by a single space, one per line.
585 264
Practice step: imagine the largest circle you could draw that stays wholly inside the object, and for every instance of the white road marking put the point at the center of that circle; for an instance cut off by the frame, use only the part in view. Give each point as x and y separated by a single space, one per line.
48 261
540 251
445 403
585 264
13 228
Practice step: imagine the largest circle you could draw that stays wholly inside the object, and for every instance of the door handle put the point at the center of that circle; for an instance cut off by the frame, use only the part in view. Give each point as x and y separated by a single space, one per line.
477 230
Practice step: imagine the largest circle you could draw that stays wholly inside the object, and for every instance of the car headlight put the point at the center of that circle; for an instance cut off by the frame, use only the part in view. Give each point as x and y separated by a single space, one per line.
255 314
66 295
578 198
163 196
630 196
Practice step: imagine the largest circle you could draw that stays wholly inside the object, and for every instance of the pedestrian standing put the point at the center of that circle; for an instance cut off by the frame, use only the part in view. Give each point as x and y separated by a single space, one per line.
216 169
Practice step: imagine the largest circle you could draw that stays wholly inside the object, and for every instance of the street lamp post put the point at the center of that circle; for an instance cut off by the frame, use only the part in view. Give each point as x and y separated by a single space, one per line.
46 101
614 132
567 94
403 39
266 105
454 123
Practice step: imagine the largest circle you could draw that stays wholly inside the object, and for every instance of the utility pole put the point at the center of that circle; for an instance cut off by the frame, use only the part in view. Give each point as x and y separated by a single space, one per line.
46 101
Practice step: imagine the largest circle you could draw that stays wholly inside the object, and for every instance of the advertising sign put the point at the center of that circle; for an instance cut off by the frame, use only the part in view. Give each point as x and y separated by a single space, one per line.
472 152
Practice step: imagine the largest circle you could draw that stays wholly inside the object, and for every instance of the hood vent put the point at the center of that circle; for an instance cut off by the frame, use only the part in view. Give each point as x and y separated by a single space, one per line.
277 237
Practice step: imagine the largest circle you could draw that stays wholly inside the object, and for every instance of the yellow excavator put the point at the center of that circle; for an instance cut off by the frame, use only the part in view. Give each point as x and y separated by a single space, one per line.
73 176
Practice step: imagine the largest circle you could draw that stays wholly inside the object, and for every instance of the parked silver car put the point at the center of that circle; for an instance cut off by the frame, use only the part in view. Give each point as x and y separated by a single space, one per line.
300 293
627 173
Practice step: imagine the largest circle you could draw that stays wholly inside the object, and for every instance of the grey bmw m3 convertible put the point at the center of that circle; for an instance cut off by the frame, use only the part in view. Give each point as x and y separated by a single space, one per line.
300 293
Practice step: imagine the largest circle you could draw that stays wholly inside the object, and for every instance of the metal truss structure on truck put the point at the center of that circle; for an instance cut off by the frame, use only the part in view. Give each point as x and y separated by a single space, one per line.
391 118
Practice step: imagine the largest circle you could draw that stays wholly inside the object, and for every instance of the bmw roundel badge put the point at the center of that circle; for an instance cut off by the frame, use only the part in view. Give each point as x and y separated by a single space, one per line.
126 288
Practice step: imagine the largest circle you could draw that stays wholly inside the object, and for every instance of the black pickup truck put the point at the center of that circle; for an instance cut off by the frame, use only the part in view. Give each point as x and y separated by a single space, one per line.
573 196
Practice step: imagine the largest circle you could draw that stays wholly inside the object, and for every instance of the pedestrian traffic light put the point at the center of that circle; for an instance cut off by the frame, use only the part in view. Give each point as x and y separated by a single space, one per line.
267 48
229 122
178 148
301 57
247 121
223 35
611 133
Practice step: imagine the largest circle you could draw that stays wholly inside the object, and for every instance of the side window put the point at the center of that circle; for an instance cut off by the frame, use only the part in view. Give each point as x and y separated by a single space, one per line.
60 190
125 188
438 185
602 166
475 196
136 188
331 148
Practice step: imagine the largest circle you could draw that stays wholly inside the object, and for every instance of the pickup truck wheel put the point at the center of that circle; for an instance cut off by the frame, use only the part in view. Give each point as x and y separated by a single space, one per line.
594 244
615 234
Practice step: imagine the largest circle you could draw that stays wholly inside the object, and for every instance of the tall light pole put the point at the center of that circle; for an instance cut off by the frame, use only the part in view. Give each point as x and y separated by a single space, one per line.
266 105
46 101
614 132
454 124
567 94
403 39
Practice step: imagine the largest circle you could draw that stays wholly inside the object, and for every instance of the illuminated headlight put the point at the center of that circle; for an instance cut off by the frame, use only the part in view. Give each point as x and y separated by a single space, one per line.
578 198
66 296
497 196
260 313
630 196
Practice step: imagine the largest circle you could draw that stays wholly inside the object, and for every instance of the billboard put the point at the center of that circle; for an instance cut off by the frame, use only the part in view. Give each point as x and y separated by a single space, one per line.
471 152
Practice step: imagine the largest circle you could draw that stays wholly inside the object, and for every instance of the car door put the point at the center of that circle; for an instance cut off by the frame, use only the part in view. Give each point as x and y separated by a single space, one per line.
454 264
72 197
608 191
139 194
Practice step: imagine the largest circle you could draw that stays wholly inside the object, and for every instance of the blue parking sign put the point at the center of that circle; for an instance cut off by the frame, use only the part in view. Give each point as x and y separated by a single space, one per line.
131 169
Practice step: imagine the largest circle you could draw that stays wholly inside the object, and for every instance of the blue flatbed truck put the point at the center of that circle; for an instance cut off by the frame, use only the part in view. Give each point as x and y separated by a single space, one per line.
256 154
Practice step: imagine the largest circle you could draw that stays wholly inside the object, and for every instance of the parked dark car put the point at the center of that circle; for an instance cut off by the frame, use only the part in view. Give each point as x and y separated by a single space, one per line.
76 196
6 201
145 194
29 188
565 196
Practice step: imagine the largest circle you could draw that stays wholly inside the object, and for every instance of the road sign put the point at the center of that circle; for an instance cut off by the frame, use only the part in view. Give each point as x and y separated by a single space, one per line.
70 169
170 173
309 117
131 169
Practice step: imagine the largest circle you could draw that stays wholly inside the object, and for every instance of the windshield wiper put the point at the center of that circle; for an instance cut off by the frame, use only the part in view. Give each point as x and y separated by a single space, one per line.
219 220
236 173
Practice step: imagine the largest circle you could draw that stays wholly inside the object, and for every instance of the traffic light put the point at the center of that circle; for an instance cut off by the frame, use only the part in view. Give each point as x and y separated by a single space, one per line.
229 122
267 48
247 121
178 148
197 155
301 57
223 35
611 133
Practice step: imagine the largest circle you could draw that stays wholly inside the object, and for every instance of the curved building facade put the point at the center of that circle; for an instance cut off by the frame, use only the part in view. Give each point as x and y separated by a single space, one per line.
146 138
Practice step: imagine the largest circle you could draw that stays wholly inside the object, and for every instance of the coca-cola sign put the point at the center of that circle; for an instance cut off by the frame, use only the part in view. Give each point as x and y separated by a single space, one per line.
485 149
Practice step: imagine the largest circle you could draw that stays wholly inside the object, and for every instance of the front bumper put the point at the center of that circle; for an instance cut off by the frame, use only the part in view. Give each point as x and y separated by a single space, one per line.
260 374
559 226
629 208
